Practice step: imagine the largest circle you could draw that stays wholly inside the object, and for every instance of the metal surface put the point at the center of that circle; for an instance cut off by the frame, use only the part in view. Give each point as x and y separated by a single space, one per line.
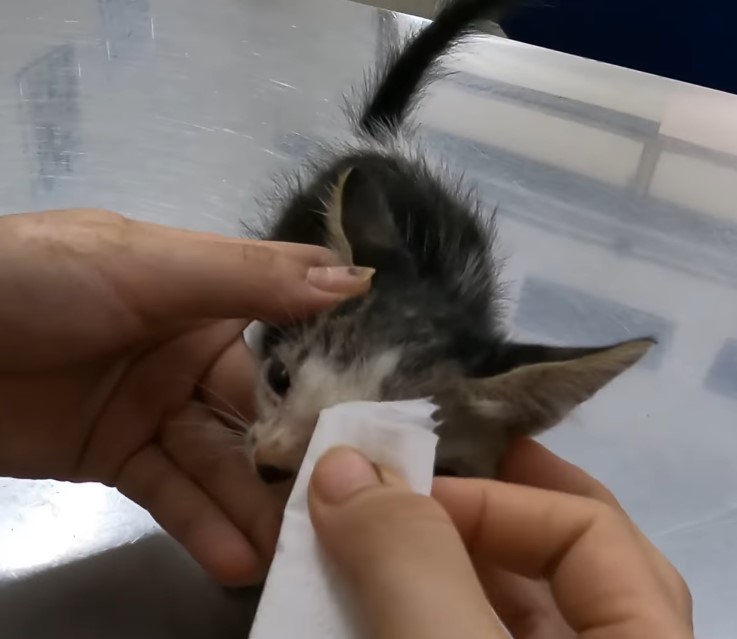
616 200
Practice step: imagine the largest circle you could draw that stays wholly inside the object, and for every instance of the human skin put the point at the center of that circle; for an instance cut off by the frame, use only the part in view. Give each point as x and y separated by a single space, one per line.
548 551
121 343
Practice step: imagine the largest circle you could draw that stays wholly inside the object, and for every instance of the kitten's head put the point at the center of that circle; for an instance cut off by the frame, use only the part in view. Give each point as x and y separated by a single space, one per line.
409 338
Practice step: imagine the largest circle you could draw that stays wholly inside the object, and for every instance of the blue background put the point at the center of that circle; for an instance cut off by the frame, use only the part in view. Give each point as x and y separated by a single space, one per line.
693 42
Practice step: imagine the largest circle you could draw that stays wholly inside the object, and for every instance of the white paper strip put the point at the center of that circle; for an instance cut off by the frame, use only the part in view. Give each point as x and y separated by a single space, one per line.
302 597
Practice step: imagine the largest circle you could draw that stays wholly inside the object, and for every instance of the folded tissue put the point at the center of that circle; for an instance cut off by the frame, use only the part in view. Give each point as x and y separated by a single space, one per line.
302 596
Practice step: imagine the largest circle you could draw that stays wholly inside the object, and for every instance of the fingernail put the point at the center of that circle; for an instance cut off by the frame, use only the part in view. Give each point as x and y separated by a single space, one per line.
341 473
339 279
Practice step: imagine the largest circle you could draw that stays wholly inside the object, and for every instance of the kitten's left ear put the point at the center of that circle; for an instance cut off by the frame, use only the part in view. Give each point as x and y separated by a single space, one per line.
360 222
542 385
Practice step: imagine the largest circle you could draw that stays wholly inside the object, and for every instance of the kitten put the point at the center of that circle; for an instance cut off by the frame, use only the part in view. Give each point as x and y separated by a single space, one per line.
431 325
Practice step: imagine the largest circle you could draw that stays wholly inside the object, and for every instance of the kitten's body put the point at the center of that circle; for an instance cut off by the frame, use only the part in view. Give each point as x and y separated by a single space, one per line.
430 327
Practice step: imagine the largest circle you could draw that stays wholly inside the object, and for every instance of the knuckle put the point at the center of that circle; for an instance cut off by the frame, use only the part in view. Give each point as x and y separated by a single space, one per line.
682 591
95 232
606 515
601 493
261 255
603 511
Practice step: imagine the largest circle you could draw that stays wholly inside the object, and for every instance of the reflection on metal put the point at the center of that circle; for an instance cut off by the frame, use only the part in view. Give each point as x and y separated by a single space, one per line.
127 27
570 316
66 601
48 91
389 34
621 218
722 376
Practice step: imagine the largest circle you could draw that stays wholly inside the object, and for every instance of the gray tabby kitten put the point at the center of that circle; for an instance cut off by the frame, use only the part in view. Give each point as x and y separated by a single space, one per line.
430 327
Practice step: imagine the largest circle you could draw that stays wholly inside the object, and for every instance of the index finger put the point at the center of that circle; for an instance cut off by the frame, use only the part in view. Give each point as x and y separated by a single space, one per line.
308 253
588 552
164 273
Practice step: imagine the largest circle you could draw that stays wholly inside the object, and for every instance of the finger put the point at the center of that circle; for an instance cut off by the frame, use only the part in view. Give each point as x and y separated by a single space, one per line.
528 462
216 458
597 569
182 509
525 606
163 273
399 552
308 253
152 387
83 227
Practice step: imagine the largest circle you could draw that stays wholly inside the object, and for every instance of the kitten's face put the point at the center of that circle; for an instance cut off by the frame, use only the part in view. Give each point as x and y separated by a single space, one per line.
390 347
413 337
361 354
293 390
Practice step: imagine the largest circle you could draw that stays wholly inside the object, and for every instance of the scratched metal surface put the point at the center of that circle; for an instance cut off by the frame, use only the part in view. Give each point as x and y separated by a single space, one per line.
615 194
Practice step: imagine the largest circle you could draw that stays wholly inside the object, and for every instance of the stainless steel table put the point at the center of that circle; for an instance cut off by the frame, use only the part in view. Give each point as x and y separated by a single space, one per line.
616 195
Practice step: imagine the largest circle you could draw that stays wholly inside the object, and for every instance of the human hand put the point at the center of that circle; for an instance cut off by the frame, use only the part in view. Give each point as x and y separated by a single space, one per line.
554 554
109 331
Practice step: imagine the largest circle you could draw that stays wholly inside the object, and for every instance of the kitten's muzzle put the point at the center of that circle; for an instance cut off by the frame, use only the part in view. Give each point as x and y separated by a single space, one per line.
272 465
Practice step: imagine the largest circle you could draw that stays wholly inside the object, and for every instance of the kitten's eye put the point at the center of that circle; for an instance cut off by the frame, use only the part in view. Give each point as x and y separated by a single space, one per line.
278 377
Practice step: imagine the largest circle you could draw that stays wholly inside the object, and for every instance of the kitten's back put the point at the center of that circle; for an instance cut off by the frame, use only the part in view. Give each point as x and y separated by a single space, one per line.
441 234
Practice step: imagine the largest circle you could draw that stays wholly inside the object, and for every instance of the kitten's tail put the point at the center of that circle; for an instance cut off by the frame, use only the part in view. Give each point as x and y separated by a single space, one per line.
400 81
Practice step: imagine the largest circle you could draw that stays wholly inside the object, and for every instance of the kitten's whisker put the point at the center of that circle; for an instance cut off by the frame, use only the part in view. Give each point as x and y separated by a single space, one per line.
222 399
225 439
228 418
200 426
242 424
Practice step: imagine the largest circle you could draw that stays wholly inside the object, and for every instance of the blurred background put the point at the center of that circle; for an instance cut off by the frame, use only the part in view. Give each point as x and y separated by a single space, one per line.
687 41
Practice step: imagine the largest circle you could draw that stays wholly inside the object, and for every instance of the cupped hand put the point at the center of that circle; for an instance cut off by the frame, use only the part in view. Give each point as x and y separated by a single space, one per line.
551 556
113 332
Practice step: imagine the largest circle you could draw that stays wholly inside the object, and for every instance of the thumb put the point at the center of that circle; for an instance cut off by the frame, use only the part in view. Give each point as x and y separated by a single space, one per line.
399 552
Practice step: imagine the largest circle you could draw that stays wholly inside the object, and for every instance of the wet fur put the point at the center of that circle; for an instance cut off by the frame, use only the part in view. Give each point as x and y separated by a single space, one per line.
431 325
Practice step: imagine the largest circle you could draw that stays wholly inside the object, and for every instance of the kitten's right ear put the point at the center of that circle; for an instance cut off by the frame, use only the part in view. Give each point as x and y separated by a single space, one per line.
478 417
542 388
337 240
360 222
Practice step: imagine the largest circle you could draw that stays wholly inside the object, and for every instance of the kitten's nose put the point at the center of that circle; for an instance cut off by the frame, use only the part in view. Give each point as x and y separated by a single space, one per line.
273 474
